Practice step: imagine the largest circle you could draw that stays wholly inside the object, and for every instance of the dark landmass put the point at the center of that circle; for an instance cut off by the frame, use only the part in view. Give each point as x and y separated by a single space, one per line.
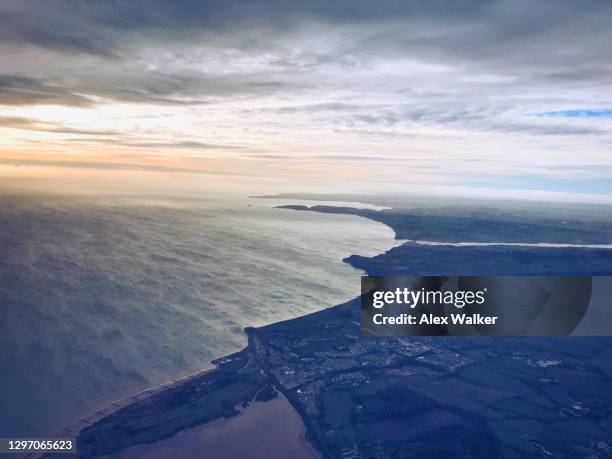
423 260
412 397
439 397
450 218
484 225
236 382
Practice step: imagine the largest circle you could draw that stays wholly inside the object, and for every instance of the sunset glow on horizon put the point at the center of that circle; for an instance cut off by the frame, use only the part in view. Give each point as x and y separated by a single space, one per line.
311 94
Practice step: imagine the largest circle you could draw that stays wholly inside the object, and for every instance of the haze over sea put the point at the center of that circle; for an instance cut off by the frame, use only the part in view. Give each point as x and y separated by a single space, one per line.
103 296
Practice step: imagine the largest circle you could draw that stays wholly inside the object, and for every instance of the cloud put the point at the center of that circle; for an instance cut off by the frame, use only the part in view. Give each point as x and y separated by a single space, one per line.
21 90
185 144
16 122
495 36
320 107
179 145
357 158
382 81
111 166
310 158
172 89
190 53
476 118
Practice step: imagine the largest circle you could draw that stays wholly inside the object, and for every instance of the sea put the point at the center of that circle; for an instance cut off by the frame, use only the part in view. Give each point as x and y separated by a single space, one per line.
103 296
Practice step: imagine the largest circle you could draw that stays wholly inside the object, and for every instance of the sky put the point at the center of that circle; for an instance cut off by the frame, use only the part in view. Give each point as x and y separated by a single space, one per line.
499 96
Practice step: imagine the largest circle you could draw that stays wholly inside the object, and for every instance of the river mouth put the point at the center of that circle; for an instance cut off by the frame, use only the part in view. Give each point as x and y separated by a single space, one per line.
260 434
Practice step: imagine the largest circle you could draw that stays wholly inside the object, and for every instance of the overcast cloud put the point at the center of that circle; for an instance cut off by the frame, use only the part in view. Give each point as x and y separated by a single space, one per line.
516 85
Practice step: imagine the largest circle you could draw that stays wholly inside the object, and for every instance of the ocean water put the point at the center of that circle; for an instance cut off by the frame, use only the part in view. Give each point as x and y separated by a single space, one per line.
101 297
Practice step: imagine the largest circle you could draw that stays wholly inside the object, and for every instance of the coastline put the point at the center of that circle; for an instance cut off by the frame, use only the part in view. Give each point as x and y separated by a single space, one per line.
73 430
339 324
81 425
218 438
138 319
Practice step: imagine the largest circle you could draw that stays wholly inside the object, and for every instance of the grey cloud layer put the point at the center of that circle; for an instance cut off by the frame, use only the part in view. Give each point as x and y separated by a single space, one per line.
22 90
543 41
388 70
506 32
110 166
29 124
